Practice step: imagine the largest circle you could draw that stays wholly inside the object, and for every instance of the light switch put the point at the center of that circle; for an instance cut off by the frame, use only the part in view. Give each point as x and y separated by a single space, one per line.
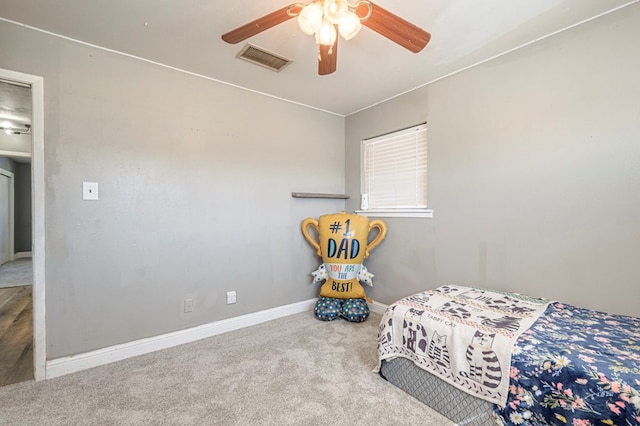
89 190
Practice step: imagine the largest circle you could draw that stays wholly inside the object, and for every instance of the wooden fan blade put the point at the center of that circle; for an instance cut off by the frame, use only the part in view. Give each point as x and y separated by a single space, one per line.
395 28
261 24
328 58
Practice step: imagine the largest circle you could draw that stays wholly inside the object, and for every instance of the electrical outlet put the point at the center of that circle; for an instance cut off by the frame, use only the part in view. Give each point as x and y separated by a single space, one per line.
364 201
231 297
188 305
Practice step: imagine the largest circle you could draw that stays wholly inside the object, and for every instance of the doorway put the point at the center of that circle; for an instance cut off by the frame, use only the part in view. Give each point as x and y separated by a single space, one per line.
36 130
16 269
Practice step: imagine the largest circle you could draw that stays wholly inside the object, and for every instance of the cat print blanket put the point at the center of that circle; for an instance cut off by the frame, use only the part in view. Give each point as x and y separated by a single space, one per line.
463 335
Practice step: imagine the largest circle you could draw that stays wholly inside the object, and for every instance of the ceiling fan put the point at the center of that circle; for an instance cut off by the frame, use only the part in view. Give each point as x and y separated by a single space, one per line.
326 18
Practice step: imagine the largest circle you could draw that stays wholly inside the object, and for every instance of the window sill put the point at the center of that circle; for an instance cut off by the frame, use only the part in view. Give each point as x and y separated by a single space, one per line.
424 213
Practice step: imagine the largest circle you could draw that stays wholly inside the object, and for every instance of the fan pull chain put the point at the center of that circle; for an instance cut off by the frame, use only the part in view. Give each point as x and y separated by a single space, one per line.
329 52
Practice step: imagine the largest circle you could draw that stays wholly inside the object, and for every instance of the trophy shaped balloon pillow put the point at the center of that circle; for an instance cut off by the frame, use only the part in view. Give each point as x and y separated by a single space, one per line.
343 245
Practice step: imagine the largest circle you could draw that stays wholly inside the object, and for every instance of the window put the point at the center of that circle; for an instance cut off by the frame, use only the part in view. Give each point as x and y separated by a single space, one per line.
394 174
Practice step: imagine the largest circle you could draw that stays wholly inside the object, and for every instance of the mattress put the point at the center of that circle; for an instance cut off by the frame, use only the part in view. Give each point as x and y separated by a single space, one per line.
468 344
571 366
451 402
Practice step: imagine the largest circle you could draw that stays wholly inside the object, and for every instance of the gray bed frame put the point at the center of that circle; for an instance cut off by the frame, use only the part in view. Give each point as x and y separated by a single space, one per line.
460 407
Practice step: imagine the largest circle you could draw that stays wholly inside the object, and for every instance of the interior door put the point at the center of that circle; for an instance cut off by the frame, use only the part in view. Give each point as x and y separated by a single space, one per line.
5 253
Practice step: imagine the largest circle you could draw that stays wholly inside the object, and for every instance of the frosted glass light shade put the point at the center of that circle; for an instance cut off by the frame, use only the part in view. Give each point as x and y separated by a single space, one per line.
327 33
334 10
310 18
349 25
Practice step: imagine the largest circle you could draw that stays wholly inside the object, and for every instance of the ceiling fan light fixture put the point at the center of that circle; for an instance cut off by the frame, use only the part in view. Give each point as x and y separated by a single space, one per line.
324 18
334 10
339 13
310 18
327 33
349 25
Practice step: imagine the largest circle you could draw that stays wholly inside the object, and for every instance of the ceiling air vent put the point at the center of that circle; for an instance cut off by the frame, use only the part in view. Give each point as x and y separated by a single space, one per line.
263 57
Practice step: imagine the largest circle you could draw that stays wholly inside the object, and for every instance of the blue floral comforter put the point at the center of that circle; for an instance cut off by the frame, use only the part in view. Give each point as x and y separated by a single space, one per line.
591 378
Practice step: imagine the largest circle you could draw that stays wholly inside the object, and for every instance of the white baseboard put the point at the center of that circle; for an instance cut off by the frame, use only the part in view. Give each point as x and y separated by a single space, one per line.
377 307
22 254
71 364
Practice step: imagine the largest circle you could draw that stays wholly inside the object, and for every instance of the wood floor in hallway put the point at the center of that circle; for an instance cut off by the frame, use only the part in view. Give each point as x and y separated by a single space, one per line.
16 335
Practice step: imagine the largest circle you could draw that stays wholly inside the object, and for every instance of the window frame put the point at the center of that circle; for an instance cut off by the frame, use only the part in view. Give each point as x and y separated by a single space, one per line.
415 212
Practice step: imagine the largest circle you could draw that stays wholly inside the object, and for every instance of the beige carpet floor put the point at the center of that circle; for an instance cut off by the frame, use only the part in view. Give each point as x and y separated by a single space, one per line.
291 371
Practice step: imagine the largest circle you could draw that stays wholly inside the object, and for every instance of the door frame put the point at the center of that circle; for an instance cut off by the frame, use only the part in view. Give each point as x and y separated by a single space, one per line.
38 210
11 196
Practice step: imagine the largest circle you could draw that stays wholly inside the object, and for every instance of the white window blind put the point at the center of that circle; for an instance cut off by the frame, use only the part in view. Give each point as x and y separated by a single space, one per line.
395 170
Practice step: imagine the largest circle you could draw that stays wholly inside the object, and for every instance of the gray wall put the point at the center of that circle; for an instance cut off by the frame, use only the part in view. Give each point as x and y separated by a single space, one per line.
23 196
195 194
7 164
534 173
22 203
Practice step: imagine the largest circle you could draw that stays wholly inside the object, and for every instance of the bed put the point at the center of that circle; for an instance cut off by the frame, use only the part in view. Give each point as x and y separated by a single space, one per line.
485 357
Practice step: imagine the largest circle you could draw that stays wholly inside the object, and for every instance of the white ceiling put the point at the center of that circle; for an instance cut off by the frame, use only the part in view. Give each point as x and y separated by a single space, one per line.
185 34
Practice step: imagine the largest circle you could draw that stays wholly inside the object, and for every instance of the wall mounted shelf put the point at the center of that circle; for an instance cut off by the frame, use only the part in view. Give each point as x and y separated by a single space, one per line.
318 195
